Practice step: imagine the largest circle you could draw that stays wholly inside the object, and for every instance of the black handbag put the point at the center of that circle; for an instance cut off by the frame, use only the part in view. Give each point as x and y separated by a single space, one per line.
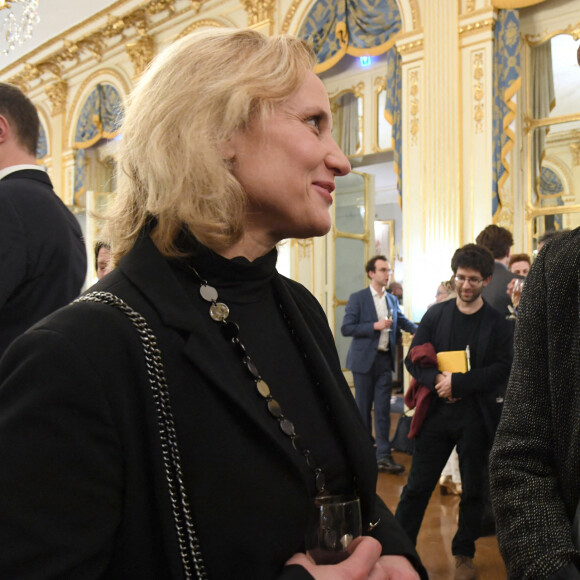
400 440
189 549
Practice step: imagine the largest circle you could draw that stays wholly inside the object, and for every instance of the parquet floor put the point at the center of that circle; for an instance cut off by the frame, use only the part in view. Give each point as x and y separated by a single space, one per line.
439 527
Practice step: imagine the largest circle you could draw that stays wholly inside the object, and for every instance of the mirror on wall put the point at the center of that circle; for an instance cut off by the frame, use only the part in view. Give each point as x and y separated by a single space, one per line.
351 246
385 240
348 118
550 222
555 165
552 126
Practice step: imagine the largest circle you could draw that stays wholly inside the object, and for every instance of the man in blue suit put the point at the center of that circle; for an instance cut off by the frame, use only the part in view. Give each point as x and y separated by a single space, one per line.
372 317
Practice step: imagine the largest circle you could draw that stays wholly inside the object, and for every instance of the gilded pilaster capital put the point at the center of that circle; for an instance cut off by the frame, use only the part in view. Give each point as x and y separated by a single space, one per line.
259 10
57 93
141 53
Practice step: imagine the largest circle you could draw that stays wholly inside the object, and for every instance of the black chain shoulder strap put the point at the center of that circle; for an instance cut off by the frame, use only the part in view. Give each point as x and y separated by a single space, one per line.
189 548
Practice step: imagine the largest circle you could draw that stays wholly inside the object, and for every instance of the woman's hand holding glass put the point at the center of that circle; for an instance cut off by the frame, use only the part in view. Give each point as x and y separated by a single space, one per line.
365 561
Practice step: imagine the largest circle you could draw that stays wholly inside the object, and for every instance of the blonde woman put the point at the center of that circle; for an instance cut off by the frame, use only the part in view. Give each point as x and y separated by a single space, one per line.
185 431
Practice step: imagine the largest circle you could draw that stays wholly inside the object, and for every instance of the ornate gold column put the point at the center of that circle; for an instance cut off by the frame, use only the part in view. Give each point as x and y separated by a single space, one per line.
432 185
476 53
441 128
447 137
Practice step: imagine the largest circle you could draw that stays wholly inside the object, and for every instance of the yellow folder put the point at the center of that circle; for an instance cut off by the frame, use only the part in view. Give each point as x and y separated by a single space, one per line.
454 361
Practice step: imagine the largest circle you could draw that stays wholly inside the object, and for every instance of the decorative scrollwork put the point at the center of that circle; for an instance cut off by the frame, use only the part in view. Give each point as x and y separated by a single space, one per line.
478 92
141 53
414 106
57 93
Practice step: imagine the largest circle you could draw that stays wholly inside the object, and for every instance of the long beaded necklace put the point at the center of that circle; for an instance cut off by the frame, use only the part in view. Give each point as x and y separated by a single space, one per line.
219 312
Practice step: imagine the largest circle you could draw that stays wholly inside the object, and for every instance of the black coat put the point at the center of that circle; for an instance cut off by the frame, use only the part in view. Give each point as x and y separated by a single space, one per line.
495 293
490 368
83 489
43 263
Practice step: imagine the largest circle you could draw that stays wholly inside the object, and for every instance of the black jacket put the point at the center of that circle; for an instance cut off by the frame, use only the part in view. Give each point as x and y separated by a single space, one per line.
43 263
490 369
83 489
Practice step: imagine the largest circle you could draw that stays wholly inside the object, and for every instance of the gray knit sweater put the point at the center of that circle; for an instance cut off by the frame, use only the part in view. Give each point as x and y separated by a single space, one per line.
535 460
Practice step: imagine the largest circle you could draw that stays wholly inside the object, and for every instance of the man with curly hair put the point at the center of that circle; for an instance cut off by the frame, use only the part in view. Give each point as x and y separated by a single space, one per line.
464 410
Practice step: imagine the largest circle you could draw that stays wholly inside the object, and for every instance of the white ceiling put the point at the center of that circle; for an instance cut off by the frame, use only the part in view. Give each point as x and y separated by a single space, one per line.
56 16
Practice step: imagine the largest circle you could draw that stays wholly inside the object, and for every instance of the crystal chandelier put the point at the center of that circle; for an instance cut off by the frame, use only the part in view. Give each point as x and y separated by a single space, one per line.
17 20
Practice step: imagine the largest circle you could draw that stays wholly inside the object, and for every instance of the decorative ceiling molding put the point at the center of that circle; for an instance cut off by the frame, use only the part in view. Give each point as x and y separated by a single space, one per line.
118 30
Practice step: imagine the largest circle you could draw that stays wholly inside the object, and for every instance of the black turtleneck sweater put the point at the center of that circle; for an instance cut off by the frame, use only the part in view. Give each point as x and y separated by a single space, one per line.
245 287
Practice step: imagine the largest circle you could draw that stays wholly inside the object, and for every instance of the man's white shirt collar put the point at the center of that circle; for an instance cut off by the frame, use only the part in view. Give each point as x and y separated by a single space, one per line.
8 170
375 293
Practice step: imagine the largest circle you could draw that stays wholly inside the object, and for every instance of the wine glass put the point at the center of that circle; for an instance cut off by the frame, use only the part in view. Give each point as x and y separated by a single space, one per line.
336 521
389 316
517 291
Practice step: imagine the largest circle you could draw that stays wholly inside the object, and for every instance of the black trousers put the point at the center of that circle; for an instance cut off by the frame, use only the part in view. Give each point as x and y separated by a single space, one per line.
447 425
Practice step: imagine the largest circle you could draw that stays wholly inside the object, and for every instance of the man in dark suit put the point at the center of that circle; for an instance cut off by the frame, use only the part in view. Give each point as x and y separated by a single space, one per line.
463 409
42 253
372 317
498 241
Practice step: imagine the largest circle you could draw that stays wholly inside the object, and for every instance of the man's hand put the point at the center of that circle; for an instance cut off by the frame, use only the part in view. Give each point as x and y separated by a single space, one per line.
383 324
443 385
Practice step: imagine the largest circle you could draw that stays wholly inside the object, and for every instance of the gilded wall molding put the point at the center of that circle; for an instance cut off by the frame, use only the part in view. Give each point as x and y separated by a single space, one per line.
575 150
414 13
413 99
409 47
477 27
290 16
57 93
534 39
478 91
200 24
380 84
259 10
141 53
357 90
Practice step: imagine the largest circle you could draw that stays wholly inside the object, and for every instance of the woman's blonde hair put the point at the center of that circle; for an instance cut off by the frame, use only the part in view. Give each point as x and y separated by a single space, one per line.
194 96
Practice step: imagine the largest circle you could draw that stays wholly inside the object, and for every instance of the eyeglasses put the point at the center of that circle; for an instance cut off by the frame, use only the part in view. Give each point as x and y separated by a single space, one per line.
472 280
